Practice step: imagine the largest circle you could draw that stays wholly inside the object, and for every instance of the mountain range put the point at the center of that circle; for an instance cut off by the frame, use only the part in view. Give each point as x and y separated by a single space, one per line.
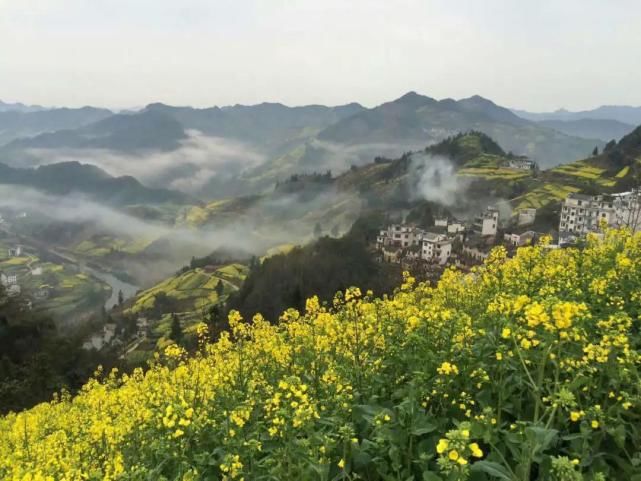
290 140
622 113
66 178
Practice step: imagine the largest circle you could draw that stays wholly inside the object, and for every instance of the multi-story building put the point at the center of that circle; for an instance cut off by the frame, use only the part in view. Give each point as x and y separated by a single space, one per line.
627 209
399 242
582 213
526 216
399 235
487 223
436 247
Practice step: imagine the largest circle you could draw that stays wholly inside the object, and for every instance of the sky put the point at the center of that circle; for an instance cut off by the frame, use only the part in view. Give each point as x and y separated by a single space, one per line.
537 55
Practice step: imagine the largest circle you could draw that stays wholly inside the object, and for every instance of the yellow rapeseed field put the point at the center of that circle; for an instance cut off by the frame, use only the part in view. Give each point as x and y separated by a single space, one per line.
527 368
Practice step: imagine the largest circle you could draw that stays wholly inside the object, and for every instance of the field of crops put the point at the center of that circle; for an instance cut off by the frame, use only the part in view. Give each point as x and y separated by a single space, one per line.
193 289
527 369
543 195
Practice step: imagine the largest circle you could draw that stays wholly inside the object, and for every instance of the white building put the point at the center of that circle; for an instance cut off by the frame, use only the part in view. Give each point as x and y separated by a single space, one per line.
14 290
15 251
582 213
399 236
436 247
442 222
487 223
99 340
455 227
627 209
37 271
521 239
399 242
526 216
521 163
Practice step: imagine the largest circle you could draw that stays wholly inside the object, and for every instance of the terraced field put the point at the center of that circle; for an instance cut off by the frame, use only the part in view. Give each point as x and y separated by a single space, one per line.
543 195
582 171
193 289
491 173
69 291
101 246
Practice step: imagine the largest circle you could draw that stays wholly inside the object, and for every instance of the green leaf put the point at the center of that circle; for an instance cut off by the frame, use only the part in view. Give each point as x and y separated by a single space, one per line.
493 469
430 476
542 437
422 426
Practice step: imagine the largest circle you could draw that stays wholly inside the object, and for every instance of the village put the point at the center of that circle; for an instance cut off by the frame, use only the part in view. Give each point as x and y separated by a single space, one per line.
467 243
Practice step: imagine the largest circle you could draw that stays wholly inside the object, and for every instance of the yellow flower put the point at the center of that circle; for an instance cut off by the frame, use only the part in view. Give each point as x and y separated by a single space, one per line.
442 445
447 368
535 314
476 450
506 332
575 416
595 424
341 463
453 455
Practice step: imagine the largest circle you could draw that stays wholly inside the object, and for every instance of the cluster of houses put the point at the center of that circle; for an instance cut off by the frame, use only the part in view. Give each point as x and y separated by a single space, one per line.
405 242
582 214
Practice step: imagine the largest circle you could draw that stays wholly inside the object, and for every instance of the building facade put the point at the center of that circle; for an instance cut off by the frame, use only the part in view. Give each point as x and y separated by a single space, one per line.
582 213
487 223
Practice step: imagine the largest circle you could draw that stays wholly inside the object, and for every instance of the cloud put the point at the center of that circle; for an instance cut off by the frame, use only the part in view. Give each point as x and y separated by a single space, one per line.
266 222
188 168
436 179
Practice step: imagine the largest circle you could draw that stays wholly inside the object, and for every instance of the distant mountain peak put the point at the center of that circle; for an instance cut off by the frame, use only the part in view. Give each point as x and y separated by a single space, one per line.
413 98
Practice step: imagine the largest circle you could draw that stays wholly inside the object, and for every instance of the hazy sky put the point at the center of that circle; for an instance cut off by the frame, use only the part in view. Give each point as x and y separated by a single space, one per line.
534 54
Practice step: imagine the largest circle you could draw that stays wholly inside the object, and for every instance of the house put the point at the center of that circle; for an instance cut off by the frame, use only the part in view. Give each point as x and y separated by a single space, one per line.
526 216
14 290
476 253
436 248
15 251
442 222
109 332
399 235
4 280
487 223
11 279
37 271
142 325
521 163
582 213
99 340
455 227
520 239
627 209
42 293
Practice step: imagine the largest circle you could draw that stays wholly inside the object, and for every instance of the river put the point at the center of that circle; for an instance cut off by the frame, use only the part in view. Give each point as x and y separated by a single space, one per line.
128 290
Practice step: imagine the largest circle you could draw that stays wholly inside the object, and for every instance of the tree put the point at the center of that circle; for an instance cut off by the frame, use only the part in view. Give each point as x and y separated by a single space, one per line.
335 231
176 333
220 288
318 230
595 152
121 298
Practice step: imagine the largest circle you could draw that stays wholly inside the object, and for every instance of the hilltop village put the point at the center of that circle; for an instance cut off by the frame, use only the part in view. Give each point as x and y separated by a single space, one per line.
466 243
